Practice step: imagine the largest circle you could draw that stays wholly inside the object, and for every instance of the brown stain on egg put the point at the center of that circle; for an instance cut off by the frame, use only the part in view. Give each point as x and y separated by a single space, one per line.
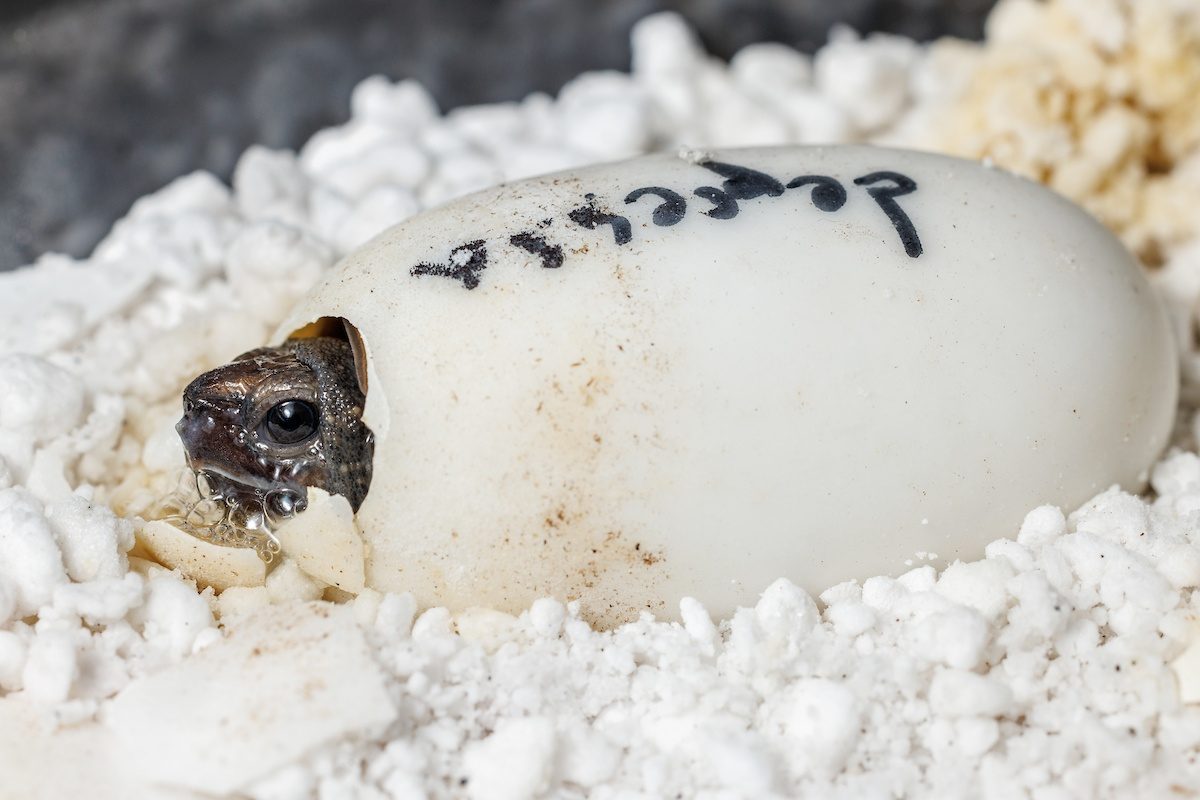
576 543
576 547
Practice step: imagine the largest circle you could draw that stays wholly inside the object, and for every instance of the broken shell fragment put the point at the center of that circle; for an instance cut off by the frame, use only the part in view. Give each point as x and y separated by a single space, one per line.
206 563
324 541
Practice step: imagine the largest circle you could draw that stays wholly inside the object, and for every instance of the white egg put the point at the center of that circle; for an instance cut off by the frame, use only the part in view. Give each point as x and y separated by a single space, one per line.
688 376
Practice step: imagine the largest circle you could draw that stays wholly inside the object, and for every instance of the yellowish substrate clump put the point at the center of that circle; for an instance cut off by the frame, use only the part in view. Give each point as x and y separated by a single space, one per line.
1098 99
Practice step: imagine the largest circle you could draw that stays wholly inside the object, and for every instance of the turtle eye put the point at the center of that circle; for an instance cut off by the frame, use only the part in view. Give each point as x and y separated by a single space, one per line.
289 422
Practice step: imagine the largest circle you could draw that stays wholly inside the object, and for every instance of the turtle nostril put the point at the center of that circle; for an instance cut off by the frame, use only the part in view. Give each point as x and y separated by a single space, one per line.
194 427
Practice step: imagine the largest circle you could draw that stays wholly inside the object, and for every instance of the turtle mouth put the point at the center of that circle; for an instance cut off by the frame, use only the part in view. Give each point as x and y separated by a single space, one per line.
231 510
250 504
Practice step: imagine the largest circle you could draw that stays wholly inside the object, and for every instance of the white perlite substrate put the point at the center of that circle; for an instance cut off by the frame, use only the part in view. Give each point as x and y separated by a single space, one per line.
1040 671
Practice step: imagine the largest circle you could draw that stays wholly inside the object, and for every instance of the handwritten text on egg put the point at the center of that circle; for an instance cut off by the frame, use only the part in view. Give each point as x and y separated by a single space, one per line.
469 259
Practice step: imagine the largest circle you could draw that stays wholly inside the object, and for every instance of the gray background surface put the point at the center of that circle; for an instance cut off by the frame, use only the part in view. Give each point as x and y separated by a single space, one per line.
102 101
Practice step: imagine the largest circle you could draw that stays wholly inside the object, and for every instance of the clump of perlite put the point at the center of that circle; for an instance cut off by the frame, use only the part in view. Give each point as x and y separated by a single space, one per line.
1097 100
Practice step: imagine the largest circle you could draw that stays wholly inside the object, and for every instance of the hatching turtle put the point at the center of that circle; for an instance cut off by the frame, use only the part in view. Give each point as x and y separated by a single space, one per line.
277 420
692 375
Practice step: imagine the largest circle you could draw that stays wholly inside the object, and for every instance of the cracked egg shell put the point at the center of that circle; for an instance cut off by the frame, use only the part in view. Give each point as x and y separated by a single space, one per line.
690 375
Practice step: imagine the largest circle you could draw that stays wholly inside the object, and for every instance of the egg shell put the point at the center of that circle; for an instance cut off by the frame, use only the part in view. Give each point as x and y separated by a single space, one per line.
688 375
325 542
206 563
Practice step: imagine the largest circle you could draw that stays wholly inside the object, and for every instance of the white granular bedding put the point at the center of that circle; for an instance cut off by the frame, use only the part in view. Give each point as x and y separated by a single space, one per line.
1042 670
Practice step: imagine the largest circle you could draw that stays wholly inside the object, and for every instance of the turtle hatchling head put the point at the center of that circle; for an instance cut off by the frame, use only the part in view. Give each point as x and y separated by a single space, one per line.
263 428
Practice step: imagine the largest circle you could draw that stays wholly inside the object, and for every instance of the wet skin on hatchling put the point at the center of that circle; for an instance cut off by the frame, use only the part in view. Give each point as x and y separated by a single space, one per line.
275 421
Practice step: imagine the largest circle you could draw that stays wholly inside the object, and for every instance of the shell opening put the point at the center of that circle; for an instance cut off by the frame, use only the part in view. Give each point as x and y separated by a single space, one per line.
216 508
339 328
375 414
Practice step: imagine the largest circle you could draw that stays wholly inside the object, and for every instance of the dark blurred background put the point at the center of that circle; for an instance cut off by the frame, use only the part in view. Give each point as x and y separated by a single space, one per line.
102 101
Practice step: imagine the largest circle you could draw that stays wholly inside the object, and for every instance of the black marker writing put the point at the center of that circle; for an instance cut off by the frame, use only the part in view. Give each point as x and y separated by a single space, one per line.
827 194
466 262
886 196
669 211
591 217
724 204
551 254
741 183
